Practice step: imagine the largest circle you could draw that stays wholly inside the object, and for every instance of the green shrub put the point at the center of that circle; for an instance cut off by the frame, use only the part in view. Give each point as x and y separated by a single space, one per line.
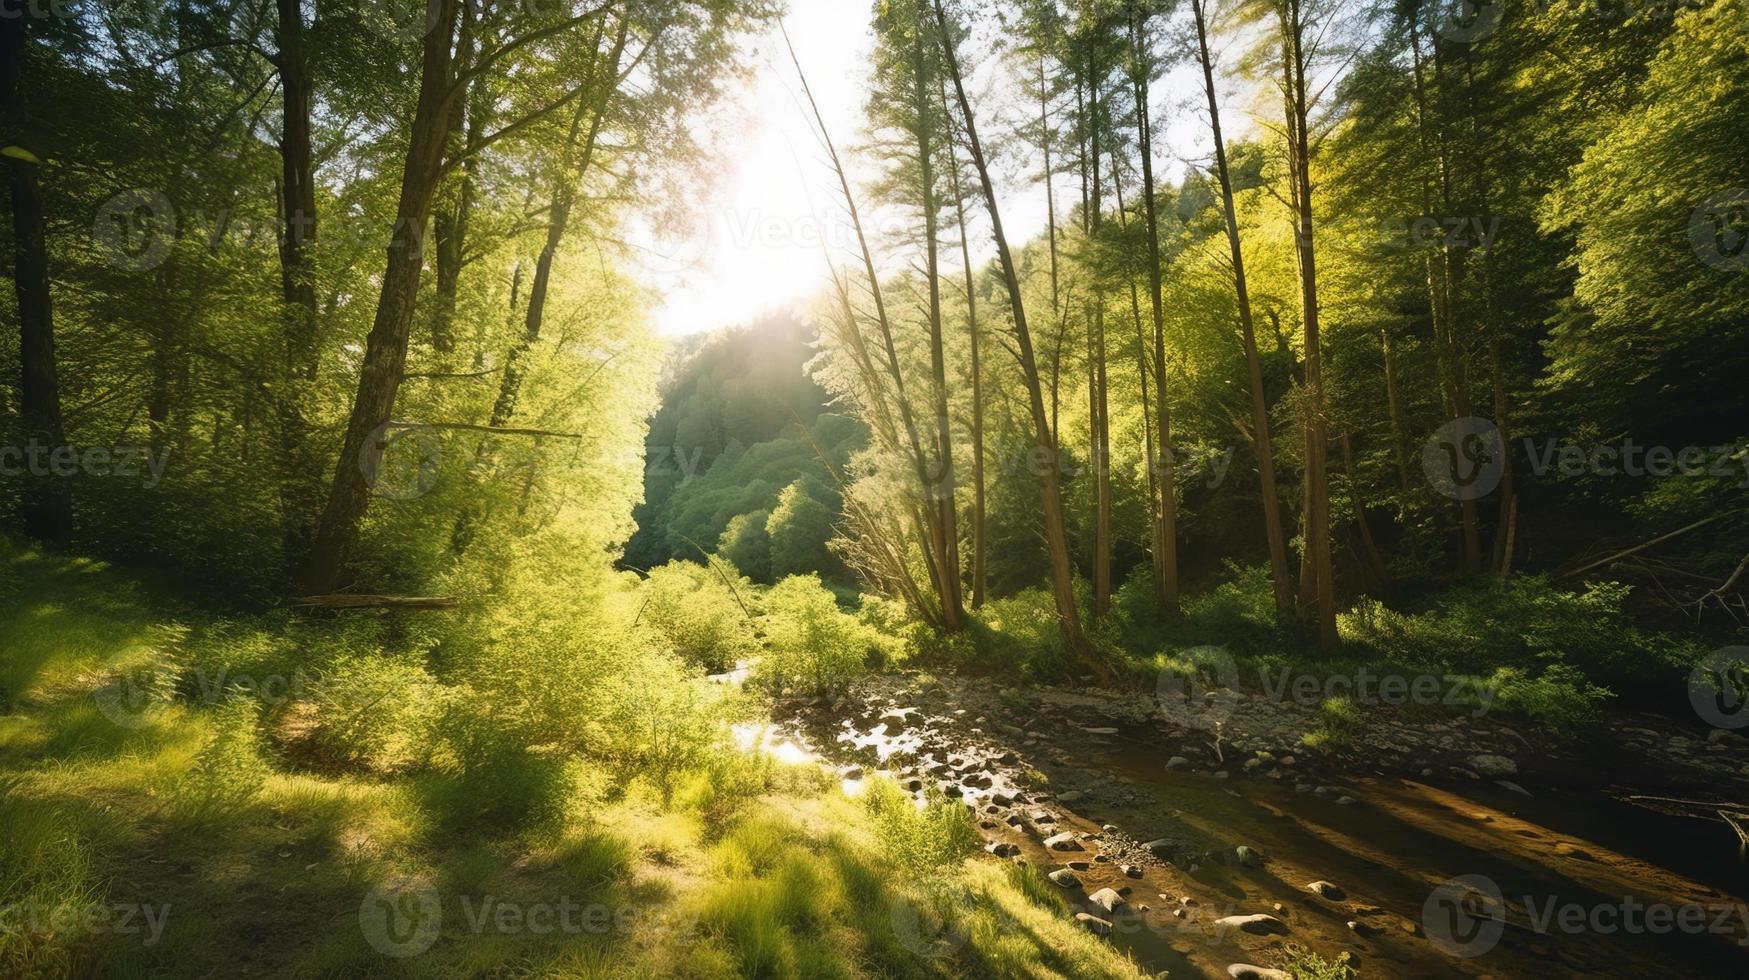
658 721
1528 623
374 713
1340 719
811 643
1020 636
1560 698
227 771
43 865
919 841
699 616
488 782
747 546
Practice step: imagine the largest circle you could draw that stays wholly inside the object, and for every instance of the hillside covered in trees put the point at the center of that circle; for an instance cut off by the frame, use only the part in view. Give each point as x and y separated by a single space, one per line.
1253 489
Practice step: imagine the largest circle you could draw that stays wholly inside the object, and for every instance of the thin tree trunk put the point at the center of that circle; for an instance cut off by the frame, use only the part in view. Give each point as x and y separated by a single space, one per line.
1317 518
298 476
980 544
1096 369
385 356
940 491
1272 525
572 168
1056 537
1166 506
47 507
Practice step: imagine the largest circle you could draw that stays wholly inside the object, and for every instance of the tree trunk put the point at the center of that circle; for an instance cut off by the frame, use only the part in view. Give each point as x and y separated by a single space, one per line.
1317 517
47 506
1056 537
385 355
297 468
1100 403
940 491
1272 526
1166 504
980 544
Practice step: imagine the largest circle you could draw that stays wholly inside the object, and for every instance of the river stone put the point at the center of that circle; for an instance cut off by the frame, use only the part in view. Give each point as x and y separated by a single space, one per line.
1245 971
1248 857
1178 762
1162 847
1565 849
1257 925
1493 765
1100 731
1002 849
1072 796
1093 923
1064 841
1106 899
1131 871
1065 878
1325 889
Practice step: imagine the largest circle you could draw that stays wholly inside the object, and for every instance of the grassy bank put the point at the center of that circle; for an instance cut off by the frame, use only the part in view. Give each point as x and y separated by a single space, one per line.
175 805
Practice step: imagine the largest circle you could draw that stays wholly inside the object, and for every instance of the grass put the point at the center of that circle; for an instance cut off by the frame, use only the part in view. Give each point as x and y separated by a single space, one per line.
261 848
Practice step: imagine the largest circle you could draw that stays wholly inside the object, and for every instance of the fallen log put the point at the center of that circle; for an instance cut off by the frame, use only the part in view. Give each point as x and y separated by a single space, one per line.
377 602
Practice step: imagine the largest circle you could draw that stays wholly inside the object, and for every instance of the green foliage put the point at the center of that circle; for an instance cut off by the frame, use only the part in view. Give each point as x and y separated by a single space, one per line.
1340 719
43 865
659 720
487 783
800 528
747 545
226 772
1560 699
1529 624
920 841
1303 964
810 643
698 615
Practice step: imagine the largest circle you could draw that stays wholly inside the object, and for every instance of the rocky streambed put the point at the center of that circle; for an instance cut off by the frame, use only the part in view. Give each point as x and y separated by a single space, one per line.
1199 833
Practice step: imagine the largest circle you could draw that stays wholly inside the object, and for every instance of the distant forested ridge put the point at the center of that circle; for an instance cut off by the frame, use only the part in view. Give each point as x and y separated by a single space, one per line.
735 462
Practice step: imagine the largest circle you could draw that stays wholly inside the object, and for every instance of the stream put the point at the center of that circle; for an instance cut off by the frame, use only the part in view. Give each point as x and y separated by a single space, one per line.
1208 856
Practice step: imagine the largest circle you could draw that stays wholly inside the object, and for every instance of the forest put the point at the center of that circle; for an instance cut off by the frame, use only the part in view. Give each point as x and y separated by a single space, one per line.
1246 488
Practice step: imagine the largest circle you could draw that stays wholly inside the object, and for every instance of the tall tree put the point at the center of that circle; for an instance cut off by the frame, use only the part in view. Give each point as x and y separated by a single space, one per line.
48 503
1056 528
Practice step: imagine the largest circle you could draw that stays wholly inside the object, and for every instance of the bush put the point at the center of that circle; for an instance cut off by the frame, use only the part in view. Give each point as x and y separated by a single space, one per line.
747 546
1560 699
659 721
920 842
227 771
374 713
489 783
1020 636
699 616
1527 623
811 644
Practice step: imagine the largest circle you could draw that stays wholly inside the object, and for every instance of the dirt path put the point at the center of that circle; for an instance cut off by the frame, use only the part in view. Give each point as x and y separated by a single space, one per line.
1444 846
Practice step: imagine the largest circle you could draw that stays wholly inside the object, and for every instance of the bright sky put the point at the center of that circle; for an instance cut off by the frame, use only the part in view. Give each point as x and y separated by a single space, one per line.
756 245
